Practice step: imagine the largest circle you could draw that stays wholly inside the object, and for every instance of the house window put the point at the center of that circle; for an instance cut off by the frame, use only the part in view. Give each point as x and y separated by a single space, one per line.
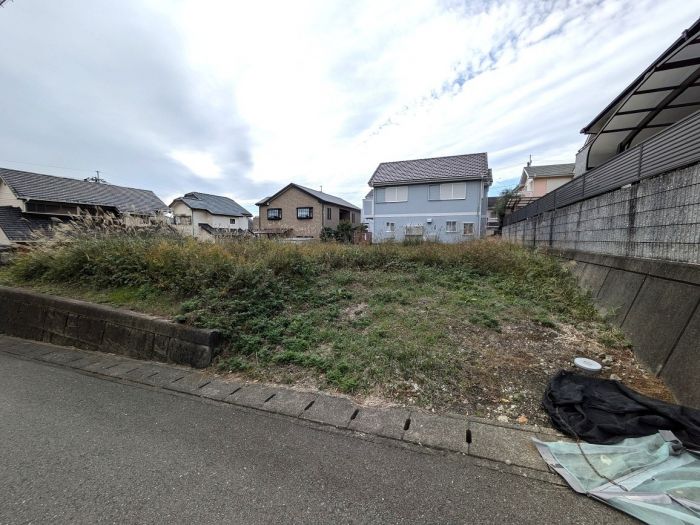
352 217
232 221
390 227
451 226
414 231
305 213
183 219
468 228
274 214
448 191
329 214
396 194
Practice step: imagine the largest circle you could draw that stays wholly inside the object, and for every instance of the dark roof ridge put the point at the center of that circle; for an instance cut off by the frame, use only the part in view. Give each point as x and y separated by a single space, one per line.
550 165
71 179
434 158
28 185
333 199
467 166
212 203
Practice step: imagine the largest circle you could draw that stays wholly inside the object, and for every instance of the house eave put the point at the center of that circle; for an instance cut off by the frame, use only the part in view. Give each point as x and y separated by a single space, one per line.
321 201
427 181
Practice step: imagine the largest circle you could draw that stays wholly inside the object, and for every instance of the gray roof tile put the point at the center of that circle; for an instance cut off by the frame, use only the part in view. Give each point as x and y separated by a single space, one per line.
550 170
18 227
40 187
214 204
323 197
457 167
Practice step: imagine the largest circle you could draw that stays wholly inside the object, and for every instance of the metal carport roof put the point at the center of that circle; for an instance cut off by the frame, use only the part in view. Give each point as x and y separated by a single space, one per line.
667 91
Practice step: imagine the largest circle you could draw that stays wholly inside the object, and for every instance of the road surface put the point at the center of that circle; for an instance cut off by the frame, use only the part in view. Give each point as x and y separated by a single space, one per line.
81 449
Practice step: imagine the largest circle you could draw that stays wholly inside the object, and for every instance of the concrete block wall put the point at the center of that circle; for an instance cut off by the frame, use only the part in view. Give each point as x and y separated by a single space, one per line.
543 230
89 326
657 305
657 218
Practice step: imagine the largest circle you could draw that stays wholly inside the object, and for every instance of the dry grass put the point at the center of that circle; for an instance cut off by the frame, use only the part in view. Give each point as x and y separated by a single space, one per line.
475 328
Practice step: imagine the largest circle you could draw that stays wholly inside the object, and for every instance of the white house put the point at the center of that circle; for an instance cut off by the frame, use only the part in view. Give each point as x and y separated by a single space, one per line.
208 217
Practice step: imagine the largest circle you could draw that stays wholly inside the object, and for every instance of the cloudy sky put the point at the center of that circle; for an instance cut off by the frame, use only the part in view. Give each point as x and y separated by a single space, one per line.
240 98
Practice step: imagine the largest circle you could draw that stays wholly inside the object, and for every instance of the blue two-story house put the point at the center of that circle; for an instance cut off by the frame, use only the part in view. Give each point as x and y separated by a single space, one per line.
440 199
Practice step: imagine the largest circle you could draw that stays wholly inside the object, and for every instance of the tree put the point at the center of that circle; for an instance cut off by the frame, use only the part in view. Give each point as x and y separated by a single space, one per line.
344 231
502 204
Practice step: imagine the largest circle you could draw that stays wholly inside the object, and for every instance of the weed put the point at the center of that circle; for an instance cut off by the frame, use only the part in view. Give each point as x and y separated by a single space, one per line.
545 321
356 318
614 338
485 319
232 364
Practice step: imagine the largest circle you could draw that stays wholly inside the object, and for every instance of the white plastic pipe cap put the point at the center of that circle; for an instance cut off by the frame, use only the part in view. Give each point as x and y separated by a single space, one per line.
588 365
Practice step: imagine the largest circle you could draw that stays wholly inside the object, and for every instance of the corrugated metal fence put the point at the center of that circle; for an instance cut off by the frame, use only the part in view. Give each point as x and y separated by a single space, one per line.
672 148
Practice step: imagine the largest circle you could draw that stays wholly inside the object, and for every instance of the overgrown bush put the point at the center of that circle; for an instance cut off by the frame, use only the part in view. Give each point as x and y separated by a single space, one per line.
284 305
343 233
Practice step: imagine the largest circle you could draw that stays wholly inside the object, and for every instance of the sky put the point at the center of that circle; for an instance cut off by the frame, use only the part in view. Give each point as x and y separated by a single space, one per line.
240 98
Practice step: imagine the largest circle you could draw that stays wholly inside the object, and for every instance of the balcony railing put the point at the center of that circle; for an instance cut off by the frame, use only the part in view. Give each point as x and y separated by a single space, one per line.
675 147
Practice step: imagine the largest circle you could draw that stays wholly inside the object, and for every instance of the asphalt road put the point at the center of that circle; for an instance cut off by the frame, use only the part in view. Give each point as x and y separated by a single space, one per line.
80 449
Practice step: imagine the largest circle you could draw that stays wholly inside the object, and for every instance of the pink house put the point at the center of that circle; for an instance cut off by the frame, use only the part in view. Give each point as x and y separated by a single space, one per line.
537 181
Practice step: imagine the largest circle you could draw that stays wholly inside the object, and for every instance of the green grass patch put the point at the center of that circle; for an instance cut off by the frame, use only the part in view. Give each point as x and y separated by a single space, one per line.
398 318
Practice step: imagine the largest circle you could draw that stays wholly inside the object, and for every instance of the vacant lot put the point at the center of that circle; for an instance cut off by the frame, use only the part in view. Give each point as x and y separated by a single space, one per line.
473 328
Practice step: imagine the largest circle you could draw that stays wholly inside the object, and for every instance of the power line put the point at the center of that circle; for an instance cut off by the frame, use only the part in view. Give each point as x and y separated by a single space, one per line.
47 165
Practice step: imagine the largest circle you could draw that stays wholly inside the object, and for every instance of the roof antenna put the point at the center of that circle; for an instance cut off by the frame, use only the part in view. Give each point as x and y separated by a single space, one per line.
96 178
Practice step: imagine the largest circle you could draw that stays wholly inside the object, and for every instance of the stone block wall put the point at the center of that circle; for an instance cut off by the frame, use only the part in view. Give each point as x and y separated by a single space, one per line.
637 250
89 326
656 218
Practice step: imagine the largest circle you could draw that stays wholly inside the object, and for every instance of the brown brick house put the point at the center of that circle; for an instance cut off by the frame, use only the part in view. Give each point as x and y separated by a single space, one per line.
297 211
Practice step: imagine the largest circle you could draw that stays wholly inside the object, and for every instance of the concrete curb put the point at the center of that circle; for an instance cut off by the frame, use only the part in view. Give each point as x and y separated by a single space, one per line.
475 437
62 321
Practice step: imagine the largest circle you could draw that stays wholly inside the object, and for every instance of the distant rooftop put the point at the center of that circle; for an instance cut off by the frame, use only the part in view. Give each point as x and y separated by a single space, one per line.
49 188
437 169
214 204
323 197
550 170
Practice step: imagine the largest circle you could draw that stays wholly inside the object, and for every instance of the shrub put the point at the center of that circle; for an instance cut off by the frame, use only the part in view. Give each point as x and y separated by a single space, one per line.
280 304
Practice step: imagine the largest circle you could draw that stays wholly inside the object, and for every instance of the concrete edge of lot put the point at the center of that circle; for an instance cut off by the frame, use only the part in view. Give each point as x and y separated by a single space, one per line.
479 438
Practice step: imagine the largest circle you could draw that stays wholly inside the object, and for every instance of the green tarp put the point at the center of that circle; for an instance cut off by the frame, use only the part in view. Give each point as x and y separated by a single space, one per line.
649 478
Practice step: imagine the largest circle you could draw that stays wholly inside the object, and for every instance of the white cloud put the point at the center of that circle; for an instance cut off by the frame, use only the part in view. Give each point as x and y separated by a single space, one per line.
330 93
320 92
200 163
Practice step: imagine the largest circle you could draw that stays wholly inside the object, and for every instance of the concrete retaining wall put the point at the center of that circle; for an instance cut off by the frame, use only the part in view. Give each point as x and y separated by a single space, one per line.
91 326
657 305
657 218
